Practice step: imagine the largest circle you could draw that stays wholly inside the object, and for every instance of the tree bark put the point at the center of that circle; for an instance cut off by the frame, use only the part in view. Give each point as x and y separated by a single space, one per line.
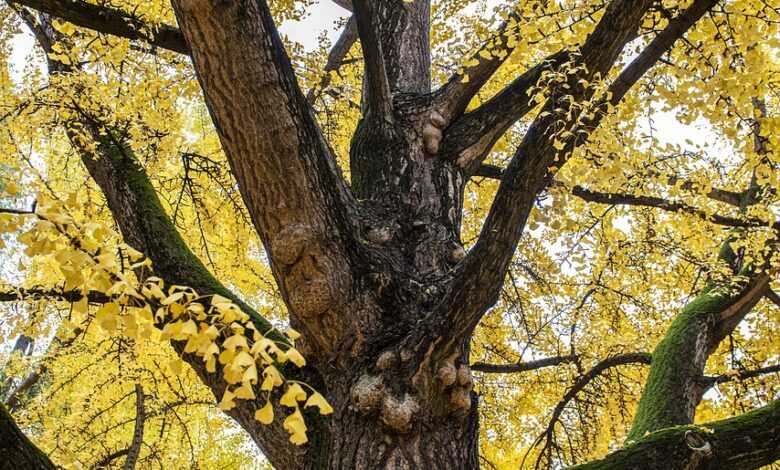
743 443
17 452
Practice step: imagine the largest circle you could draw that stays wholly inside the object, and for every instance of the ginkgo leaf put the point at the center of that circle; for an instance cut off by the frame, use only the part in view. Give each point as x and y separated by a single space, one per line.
265 414
295 357
292 396
227 402
271 378
319 401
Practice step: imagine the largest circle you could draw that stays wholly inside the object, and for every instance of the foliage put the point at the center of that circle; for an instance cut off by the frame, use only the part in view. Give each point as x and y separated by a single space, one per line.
588 280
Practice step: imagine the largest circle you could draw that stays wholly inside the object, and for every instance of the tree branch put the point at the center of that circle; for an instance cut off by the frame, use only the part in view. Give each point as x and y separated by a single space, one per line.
480 275
725 196
146 227
138 433
744 442
475 133
32 378
16 450
336 57
379 99
773 297
454 96
40 293
666 205
471 136
742 375
109 20
523 366
289 180
581 383
674 385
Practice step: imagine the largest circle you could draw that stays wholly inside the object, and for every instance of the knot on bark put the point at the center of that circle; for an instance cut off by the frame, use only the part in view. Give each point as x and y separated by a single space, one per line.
432 132
311 298
367 394
398 414
447 374
379 235
464 375
457 382
387 360
457 254
289 243
697 443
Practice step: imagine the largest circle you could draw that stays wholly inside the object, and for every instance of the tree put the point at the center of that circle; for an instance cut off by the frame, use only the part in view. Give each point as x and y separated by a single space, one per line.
405 277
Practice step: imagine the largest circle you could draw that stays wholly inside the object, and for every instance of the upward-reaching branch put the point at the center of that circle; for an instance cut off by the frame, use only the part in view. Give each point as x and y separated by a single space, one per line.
454 96
146 227
336 57
16 450
471 137
379 97
480 276
289 180
674 386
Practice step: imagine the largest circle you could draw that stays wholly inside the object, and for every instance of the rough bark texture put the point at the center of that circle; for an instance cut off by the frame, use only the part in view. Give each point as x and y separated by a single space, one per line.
375 276
16 450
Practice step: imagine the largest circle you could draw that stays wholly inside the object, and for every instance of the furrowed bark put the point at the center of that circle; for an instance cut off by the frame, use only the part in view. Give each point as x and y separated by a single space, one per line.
675 384
288 178
745 442
479 277
403 29
16 450
111 21
377 87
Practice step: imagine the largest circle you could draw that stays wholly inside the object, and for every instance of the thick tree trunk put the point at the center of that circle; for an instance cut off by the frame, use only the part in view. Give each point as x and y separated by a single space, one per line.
375 428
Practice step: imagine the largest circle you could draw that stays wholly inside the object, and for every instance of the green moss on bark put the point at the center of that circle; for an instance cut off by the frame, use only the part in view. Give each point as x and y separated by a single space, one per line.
749 441
678 361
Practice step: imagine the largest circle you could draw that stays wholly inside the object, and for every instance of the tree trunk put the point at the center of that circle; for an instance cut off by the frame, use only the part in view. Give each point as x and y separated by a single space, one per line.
375 428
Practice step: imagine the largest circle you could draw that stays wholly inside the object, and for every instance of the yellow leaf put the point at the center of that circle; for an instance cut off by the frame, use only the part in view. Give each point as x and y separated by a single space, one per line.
227 402
295 425
319 401
271 378
292 396
265 414
295 357
235 341
245 392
